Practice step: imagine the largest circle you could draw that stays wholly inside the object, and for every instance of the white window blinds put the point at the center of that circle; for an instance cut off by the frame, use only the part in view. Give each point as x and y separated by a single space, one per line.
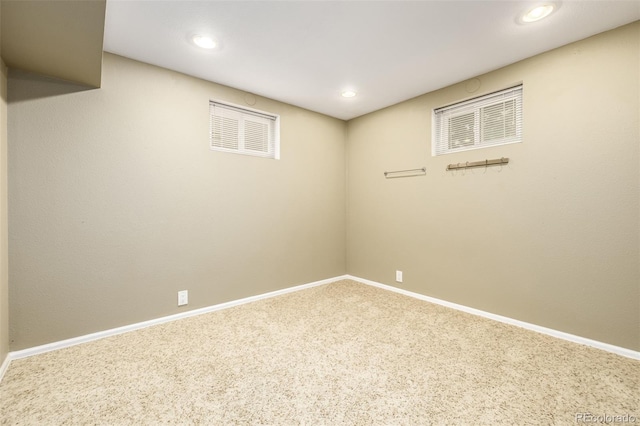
494 119
243 131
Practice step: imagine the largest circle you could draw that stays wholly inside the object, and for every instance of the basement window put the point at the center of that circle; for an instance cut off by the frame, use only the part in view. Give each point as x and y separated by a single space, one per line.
489 120
243 130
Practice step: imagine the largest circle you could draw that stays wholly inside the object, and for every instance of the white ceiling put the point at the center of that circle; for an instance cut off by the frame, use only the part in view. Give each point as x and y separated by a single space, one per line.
306 53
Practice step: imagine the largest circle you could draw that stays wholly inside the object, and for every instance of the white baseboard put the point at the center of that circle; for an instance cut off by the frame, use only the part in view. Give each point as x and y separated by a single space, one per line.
125 329
137 326
4 366
548 331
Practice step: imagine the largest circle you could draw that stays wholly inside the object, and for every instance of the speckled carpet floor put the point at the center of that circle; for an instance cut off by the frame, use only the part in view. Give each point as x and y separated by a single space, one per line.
339 354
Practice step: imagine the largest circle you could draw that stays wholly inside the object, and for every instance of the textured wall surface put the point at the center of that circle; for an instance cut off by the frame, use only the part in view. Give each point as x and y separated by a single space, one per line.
552 238
116 202
61 39
4 252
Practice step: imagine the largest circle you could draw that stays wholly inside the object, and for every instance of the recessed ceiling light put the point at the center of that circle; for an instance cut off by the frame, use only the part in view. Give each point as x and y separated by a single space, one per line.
348 94
204 42
538 12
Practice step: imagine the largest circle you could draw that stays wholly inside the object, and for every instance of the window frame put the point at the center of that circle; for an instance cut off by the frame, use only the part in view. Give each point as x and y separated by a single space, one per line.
442 116
273 121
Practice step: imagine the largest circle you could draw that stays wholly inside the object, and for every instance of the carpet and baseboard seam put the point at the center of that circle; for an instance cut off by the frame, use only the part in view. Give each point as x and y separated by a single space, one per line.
36 350
629 353
341 353
4 366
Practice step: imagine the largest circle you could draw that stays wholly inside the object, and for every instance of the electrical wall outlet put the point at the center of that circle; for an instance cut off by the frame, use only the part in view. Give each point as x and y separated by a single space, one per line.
183 297
398 276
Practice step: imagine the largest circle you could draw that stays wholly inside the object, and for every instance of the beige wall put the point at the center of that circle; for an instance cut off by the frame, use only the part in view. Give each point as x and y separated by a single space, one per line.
116 202
62 39
4 284
552 238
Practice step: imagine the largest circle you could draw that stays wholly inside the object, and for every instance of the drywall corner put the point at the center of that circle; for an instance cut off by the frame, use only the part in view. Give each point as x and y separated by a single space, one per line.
4 282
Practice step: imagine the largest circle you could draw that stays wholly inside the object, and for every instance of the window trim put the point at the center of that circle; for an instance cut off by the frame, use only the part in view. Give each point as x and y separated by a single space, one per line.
251 112
465 107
